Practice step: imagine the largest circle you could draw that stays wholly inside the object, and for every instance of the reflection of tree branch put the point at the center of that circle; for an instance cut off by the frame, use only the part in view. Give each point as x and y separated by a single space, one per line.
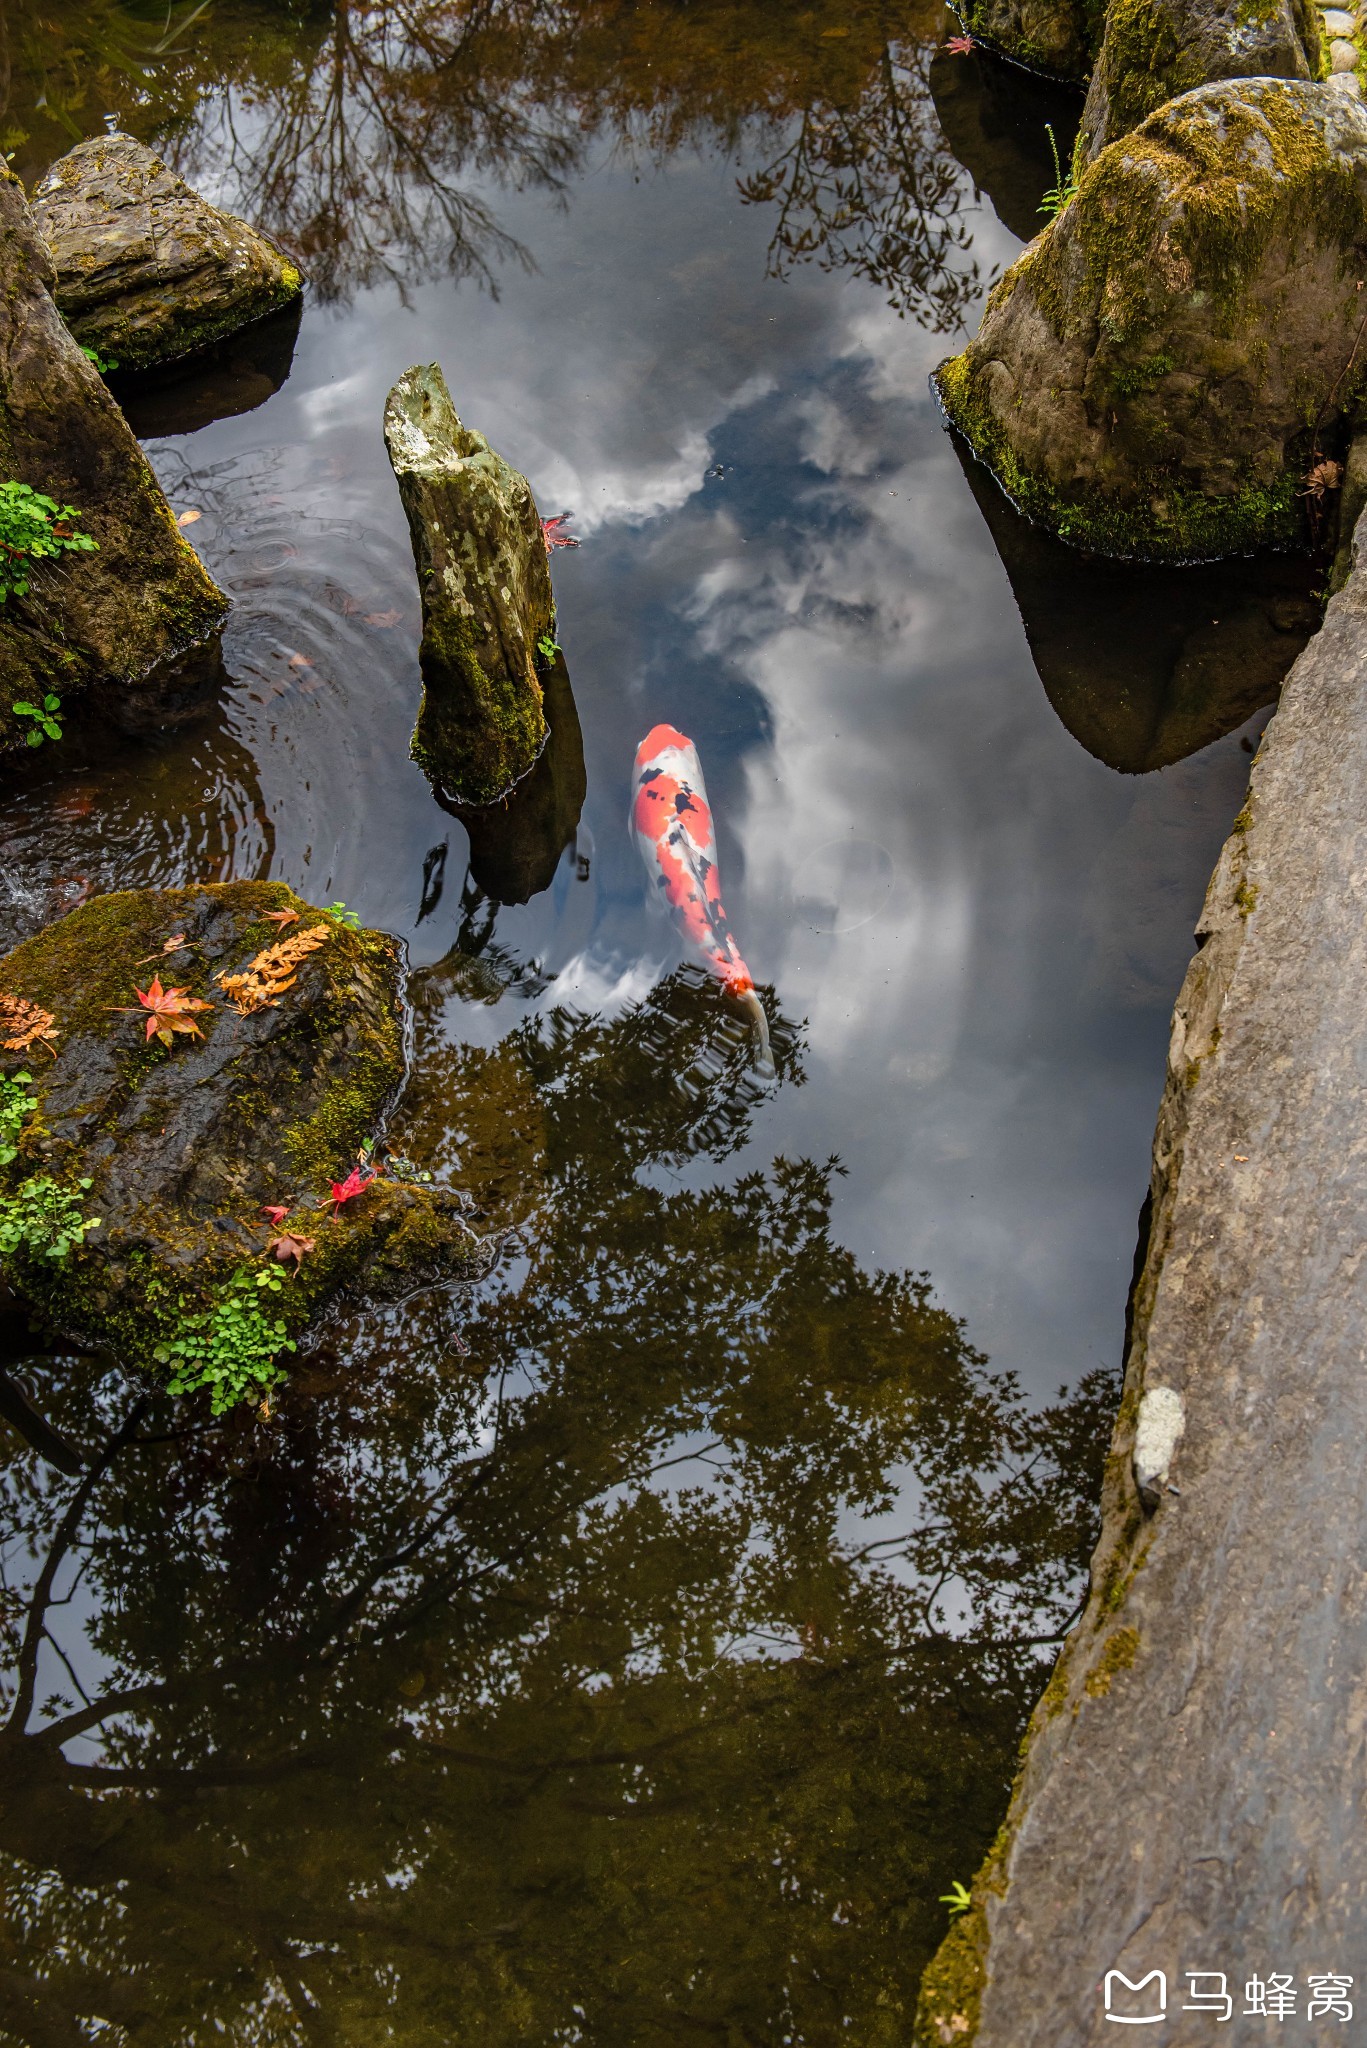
42 1591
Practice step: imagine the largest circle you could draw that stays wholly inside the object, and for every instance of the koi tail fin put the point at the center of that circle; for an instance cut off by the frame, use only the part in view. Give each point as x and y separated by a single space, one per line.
759 1025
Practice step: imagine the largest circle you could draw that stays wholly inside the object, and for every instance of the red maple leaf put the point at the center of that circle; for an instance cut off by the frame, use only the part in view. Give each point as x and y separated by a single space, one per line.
960 46
170 1009
347 1190
277 1211
553 533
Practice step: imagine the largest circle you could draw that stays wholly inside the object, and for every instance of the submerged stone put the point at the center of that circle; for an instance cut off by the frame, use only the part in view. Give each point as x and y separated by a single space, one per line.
121 618
1155 50
147 271
1156 372
486 594
180 1147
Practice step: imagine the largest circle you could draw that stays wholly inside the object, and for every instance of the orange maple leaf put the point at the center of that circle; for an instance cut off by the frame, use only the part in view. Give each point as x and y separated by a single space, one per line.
26 1023
282 917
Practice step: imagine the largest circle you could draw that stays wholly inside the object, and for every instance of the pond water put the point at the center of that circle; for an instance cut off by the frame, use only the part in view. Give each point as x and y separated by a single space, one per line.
635 1649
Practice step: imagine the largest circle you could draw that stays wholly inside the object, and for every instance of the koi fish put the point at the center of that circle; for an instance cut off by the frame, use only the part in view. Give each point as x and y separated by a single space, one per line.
672 820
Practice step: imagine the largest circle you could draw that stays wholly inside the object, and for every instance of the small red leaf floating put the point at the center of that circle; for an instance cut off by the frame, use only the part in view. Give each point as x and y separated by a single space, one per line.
553 532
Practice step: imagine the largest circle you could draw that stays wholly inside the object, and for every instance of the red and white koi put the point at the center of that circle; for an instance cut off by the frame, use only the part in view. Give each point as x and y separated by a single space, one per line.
672 820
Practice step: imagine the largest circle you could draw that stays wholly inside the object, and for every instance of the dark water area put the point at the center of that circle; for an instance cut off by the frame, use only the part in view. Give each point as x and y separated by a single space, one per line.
635 1648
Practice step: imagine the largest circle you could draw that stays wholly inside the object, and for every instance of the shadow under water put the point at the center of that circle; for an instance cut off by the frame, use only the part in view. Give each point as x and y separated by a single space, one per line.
549 1665
1145 664
997 119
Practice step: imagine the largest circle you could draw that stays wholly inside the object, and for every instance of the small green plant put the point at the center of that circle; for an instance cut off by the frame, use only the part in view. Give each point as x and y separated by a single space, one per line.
339 914
44 1218
232 1347
46 719
32 528
104 364
16 1105
958 1899
1061 191
547 647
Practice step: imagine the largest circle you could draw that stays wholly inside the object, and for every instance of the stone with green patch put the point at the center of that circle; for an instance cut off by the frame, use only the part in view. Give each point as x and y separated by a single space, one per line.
178 1149
1055 38
486 594
119 621
147 271
1154 373
1155 50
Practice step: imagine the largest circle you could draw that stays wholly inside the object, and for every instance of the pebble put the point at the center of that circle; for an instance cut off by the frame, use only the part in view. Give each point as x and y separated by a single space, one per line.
1339 22
1343 55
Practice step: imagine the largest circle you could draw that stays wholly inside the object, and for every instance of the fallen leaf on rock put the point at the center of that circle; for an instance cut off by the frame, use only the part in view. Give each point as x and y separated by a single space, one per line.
171 945
27 1024
282 917
188 518
170 1008
383 618
264 980
277 1211
287 1246
347 1190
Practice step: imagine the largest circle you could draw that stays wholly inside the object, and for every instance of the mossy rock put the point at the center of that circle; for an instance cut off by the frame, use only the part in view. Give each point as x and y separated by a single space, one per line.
486 594
1054 38
146 270
120 622
1155 372
185 1145
1155 50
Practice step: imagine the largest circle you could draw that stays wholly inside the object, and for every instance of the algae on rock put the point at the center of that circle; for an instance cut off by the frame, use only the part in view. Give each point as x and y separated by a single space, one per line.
147 271
1155 50
120 618
1154 373
486 594
179 1149
1055 38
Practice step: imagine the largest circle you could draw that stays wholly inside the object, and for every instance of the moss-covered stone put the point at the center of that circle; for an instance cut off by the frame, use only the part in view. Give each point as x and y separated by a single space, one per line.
486 594
1055 38
1223 238
1155 50
184 1146
146 270
118 621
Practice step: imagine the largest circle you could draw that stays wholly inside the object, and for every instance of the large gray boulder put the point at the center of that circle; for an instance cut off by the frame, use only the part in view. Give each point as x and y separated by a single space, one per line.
486 594
1156 373
146 270
208 1148
1155 50
117 621
1191 1791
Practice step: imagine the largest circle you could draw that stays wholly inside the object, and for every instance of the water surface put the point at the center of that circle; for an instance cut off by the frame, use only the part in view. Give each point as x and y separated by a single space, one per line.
637 1649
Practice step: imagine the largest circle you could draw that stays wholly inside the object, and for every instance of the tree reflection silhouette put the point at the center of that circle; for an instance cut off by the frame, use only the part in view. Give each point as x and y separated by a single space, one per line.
579 1684
358 132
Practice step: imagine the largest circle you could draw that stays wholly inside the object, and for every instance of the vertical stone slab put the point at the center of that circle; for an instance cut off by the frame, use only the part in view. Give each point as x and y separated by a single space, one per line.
486 594
1192 1793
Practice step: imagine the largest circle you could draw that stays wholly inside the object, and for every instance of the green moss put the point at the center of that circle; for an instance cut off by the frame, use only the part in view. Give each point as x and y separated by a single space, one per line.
1117 1655
475 737
1246 896
1160 518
